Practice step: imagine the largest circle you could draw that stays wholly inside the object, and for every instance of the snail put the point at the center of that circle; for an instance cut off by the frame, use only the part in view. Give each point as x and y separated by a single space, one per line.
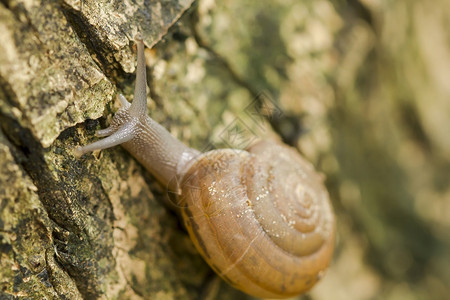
261 217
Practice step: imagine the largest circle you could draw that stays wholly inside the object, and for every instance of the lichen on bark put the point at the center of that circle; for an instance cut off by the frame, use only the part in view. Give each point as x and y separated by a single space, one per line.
358 86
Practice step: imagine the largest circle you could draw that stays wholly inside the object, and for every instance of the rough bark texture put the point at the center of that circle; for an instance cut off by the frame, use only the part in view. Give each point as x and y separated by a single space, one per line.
360 87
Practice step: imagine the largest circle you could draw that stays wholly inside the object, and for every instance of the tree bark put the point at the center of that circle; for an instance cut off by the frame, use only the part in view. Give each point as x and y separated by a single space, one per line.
359 87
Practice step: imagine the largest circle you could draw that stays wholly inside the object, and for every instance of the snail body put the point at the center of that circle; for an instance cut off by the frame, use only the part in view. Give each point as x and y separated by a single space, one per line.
260 218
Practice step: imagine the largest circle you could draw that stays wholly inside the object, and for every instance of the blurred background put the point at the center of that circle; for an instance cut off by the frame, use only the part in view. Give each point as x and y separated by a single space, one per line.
363 90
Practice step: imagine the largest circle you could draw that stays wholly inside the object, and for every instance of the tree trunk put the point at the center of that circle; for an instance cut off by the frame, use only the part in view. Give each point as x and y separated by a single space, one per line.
360 88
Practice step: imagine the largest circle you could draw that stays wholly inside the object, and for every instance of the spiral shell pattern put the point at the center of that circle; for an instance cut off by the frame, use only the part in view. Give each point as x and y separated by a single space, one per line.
261 218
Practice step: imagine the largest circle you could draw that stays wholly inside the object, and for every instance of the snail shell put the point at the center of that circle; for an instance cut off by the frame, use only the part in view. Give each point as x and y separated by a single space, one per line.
262 219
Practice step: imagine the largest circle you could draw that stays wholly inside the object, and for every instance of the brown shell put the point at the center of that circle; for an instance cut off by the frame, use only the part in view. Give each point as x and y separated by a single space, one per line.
262 219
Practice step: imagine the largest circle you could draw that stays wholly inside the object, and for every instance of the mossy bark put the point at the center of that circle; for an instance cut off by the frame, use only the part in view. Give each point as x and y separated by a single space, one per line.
359 87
